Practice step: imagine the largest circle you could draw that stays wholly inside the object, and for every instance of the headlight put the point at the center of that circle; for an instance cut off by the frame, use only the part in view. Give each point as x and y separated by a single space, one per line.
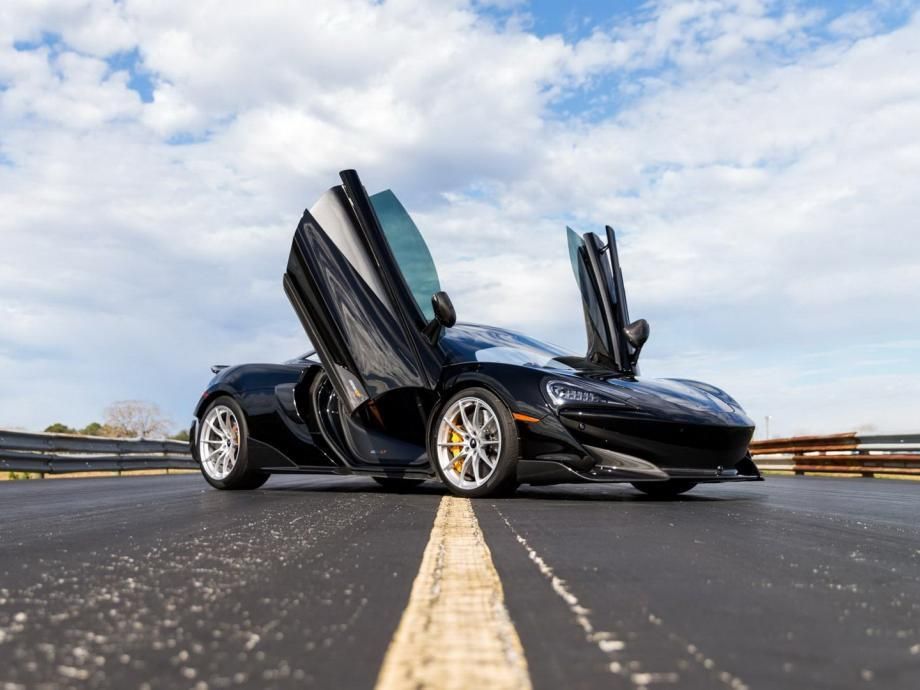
563 392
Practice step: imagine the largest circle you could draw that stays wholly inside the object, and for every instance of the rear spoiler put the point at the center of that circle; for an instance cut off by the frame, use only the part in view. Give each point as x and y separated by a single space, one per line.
217 368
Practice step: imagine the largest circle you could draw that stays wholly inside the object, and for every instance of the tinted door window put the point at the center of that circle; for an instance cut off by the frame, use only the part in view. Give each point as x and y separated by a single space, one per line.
409 248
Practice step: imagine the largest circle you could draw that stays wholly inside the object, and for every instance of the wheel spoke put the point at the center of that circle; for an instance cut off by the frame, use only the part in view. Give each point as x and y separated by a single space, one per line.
464 468
477 406
485 458
215 429
466 420
449 461
456 430
476 468
450 444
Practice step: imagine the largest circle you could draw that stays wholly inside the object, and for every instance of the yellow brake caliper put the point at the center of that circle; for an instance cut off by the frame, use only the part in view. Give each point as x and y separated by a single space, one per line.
455 450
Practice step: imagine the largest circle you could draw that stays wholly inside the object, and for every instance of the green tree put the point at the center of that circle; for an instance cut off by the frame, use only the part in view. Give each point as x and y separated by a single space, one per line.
180 436
93 429
58 428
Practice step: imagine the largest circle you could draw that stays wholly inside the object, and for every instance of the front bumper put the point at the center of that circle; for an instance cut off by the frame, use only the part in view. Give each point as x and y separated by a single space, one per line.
603 445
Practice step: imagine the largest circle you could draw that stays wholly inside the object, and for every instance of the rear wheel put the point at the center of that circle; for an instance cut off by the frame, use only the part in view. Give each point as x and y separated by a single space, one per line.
223 450
475 445
398 483
665 489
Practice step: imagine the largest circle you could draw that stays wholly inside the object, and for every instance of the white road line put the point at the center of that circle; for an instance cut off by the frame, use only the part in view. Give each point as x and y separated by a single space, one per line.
455 632
614 648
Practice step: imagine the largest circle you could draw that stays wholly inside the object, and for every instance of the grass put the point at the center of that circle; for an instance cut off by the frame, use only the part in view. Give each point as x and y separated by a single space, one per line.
15 476
842 475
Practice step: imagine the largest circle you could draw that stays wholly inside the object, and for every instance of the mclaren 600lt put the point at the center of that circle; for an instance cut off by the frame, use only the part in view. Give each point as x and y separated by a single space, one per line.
398 390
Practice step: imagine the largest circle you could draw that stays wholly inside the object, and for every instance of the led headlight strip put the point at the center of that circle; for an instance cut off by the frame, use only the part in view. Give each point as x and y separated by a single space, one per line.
566 392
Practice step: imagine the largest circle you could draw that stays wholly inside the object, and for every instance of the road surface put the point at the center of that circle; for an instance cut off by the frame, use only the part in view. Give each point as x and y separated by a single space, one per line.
162 582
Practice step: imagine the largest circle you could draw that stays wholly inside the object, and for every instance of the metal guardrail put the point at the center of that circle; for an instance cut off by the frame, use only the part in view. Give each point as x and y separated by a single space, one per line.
64 453
864 454
867 455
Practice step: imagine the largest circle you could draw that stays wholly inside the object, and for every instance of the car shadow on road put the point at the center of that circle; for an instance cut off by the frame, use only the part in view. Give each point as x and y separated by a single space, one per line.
611 493
349 485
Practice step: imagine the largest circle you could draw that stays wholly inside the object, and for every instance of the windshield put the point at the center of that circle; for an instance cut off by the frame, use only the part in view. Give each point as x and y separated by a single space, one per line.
409 249
466 342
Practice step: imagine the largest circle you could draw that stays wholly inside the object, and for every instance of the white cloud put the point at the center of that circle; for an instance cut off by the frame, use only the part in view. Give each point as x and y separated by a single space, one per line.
759 159
93 27
855 24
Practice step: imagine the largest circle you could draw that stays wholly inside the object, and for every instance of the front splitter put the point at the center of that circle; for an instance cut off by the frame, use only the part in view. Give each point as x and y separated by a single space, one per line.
550 472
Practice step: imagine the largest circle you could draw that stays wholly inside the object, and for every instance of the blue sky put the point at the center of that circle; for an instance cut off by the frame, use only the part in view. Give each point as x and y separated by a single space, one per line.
759 160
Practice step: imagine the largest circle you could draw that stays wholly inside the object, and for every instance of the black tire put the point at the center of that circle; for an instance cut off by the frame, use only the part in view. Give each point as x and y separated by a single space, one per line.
398 483
503 480
666 489
242 476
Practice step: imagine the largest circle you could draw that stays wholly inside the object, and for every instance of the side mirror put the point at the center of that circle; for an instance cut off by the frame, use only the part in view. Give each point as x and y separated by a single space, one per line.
444 316
636 334
443 309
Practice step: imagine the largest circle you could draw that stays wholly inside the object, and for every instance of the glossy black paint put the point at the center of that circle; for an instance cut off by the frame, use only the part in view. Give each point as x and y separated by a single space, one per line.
682 428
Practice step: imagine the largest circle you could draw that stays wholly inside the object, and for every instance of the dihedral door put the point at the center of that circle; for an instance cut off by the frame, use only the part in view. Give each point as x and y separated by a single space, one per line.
600 280
351 292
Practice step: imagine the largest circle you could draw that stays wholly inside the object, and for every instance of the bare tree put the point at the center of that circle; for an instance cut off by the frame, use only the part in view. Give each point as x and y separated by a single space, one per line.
135 418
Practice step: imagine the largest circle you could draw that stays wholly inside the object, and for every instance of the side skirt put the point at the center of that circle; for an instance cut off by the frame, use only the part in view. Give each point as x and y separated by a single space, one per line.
344 471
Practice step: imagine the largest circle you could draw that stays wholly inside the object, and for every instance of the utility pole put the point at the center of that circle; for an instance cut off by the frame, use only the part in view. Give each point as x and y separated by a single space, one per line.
767 427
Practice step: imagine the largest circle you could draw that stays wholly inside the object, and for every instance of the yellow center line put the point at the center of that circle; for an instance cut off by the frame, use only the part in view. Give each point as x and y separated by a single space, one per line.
455 631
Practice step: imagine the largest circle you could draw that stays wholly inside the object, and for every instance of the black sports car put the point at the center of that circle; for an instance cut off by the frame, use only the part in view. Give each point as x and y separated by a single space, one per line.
399 391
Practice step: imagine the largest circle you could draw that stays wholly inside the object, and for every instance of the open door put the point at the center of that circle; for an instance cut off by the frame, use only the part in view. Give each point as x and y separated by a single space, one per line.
350 286
597 270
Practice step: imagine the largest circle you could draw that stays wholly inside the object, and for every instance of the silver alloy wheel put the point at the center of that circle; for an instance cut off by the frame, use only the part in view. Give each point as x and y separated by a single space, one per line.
469 443
219 442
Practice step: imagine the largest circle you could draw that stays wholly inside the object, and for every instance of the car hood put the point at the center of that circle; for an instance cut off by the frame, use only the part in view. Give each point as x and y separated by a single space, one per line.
681 399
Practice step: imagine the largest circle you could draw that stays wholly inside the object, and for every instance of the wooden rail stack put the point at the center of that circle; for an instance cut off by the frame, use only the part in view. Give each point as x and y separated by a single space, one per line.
855 453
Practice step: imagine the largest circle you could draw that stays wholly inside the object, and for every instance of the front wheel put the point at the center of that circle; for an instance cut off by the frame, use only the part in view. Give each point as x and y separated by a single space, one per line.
666 489
474 445
223 450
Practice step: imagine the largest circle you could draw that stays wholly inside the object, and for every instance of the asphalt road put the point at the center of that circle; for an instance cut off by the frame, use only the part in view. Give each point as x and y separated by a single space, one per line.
162 582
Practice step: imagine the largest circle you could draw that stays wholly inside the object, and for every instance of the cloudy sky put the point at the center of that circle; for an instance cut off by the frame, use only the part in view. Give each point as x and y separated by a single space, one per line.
760 159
